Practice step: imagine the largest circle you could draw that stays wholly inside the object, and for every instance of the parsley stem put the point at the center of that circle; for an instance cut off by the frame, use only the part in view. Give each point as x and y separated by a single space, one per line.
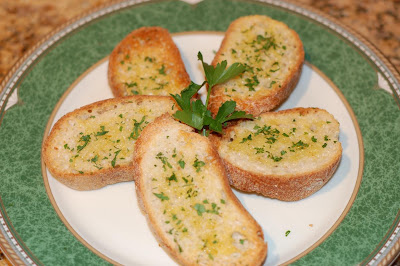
208 94
205 132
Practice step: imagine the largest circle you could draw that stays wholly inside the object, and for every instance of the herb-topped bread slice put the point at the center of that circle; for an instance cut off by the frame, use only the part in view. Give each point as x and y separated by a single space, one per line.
147 62
287 155
273 55
93 146
183 190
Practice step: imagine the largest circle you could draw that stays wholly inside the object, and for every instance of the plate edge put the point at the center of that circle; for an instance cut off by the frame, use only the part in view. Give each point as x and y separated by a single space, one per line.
5 88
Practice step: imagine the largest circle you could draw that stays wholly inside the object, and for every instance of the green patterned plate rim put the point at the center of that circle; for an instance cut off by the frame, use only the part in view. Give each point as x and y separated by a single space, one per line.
31 231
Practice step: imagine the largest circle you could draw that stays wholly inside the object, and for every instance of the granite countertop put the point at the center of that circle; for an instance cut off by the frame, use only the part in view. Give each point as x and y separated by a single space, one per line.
24 23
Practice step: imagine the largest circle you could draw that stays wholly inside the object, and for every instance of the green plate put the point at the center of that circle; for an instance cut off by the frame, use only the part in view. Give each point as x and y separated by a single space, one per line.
32 230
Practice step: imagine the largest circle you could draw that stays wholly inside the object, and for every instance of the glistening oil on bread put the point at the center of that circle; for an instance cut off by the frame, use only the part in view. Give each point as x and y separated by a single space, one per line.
279 144
183 189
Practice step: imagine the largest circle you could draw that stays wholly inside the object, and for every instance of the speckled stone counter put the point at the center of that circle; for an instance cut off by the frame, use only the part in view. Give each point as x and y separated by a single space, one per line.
24 23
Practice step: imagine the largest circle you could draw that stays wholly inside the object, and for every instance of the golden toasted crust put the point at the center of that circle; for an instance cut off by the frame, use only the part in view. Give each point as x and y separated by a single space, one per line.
288 188
273 54
147 62
108 126
301 175
182 241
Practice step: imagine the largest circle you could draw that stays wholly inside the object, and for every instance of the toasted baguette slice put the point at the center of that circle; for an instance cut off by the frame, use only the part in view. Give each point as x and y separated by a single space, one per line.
287 155
147 62
93 146
183 190
273 55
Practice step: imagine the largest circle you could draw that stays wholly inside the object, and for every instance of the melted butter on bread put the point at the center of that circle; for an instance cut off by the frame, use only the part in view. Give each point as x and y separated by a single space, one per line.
183 190
147 62
273 56
261 48
93 146
283 142
287 155
190 210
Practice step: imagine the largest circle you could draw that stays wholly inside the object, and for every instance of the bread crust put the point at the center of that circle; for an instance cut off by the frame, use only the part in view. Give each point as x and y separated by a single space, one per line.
154 128
154 43
285 187
258 104
102 177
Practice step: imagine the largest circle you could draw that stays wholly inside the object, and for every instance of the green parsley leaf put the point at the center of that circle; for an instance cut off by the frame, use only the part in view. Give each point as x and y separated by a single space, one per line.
94 159
172 178
161 196
102 132
183 100
251 83
192 113
200 209
181 163
86 140
162 70
137 128
195 113
246 139
219 74
259 150
198 164
226 113
164 160
115 158
131 84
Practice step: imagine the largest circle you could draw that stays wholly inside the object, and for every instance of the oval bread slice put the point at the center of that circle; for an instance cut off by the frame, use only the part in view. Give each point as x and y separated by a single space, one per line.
183 190
287 155
147 62
273 55
93 146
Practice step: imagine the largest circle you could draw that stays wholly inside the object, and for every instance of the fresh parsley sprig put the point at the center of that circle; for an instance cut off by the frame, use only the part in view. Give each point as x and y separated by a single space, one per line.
195 113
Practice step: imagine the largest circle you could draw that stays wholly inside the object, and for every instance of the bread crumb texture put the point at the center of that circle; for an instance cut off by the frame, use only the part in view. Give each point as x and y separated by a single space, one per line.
185 186
283 143
101 135
147 62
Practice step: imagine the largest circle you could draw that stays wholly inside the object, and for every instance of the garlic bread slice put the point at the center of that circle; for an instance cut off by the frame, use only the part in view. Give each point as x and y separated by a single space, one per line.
273 55
287 155
147 62
183 190
93 146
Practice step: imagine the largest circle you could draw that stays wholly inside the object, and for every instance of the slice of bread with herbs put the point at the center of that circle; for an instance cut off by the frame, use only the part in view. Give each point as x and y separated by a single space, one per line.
273 55
184 193
287 155
93 146
147 62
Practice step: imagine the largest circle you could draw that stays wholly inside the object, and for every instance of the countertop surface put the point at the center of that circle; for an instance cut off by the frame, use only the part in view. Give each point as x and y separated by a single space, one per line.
23 23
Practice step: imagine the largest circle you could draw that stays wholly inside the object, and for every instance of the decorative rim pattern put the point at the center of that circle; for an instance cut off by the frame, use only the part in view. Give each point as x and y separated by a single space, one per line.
382 254
10 245
387 251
